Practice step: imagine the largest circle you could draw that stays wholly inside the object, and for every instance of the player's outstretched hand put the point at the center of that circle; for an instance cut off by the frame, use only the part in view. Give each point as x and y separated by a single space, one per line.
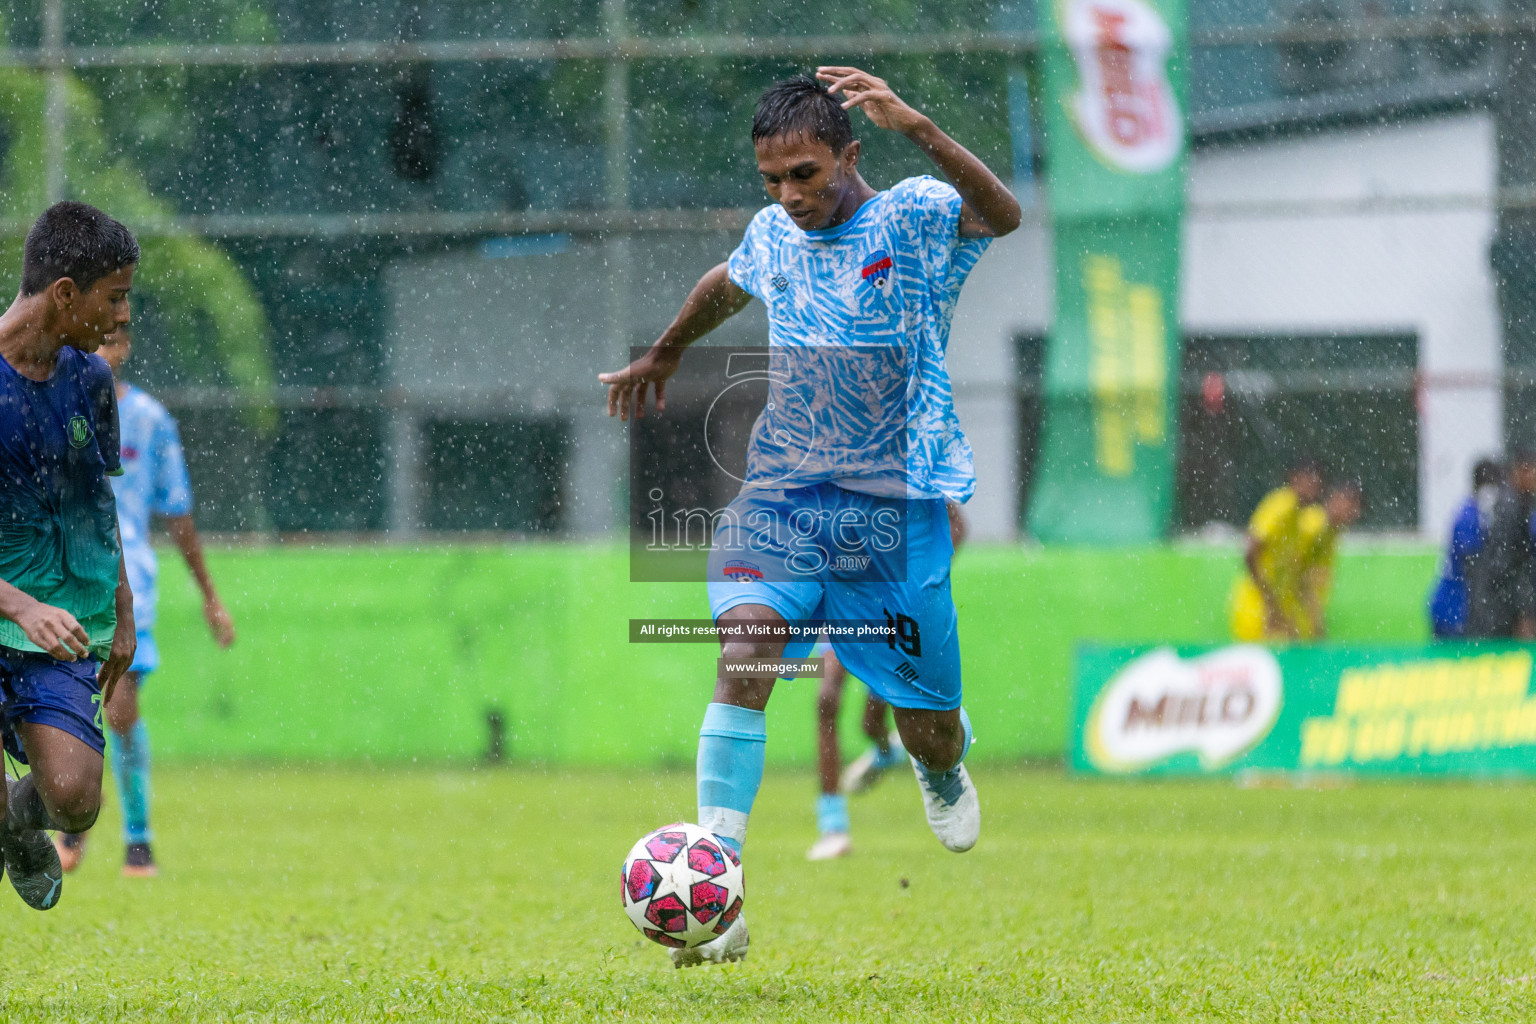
219 622
55 631
862 89
627 387
124 644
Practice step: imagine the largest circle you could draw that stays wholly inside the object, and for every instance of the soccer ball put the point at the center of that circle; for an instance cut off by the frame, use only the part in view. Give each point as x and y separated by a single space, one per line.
682 886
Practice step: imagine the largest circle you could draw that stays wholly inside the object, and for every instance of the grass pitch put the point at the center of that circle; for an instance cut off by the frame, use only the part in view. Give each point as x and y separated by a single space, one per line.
421 894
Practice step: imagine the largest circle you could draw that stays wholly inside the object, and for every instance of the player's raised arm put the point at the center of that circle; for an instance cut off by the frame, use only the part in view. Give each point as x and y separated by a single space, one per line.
990 209
713 300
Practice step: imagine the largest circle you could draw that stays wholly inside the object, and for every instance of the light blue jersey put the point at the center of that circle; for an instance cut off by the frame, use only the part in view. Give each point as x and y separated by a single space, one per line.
859 319
154 482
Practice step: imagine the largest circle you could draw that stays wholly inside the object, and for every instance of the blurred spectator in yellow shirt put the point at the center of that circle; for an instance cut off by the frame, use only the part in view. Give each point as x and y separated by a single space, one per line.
1267 600
1320 527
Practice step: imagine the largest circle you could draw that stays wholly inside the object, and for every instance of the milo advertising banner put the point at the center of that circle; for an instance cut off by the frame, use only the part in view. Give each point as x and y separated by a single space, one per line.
1451 709
1113 78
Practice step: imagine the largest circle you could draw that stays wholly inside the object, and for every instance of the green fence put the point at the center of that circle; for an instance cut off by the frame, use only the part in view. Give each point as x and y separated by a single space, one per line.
397 653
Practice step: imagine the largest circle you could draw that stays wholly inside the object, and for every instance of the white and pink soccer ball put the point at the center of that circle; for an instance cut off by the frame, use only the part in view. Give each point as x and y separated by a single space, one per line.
682 886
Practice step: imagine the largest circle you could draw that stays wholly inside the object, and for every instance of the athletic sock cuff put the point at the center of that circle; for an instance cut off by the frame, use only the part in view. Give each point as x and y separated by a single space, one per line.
831 813
965 748
735 723
970 737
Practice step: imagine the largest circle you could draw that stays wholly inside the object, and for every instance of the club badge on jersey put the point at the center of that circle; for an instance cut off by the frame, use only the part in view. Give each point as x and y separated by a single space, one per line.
877 271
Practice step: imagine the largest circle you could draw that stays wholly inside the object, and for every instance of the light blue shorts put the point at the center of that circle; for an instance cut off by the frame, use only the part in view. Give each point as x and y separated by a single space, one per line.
778 548
146 657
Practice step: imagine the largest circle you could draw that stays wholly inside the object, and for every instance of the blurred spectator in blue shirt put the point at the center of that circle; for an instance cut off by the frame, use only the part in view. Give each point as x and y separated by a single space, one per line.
1448 600
1501 576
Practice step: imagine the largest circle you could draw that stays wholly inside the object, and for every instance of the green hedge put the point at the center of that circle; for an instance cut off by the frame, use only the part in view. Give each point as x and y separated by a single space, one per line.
399 653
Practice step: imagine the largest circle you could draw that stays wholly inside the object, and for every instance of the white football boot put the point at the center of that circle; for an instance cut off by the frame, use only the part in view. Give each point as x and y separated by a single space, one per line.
728 948
830 846
954 817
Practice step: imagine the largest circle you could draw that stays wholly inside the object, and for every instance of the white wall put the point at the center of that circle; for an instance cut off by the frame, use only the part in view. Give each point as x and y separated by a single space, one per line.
1396 239
1008 294
1355 231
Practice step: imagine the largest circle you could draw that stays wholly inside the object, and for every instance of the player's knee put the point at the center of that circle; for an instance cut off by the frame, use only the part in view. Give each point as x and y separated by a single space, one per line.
750 650
744 684
937 755
121 720
122 711
935 745
78 820
75 809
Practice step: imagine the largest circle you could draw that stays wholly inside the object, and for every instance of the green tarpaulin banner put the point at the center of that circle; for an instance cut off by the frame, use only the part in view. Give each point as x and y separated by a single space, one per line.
1113 74
1452 709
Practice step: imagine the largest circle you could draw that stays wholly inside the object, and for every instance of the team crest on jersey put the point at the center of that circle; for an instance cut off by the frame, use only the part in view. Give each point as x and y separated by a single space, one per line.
79 431
877 271
742 572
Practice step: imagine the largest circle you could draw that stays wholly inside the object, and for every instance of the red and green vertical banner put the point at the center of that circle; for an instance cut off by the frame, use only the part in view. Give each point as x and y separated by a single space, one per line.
1114 74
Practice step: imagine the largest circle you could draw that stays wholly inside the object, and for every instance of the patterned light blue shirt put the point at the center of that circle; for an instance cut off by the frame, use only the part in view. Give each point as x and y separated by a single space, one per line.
858 322
154 482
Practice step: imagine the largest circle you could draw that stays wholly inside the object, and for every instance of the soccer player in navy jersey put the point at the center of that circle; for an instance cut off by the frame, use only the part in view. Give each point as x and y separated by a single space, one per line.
859 431
153 482
66 612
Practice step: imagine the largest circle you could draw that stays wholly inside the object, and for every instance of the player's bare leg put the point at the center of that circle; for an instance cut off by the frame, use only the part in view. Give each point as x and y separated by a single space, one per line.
63 791
833 839
130 763
130 767
885 751
122 713
875 722
731 742
937 742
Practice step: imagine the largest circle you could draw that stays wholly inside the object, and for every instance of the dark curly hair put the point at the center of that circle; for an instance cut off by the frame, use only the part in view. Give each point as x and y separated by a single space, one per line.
801 105
77 241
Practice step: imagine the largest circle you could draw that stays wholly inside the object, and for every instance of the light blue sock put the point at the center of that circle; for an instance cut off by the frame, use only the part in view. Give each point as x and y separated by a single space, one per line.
893 755
130 767
831 813
946 784
732 742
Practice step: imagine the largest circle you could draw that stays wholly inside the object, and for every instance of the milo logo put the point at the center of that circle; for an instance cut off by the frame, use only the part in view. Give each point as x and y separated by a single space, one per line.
1125 110
79 431
1217 706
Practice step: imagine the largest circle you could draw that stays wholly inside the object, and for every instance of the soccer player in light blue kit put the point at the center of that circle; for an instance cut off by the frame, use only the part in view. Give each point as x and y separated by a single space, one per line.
153 482
856 282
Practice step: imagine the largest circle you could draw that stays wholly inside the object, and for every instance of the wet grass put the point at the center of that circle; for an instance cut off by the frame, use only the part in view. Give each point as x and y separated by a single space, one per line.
419 894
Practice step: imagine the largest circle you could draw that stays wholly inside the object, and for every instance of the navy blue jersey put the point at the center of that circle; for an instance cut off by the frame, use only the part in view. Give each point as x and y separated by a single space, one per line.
58 519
